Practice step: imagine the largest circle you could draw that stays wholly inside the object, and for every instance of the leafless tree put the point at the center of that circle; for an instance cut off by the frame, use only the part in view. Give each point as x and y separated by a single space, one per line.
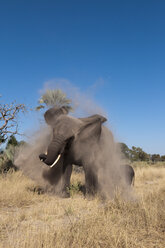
9 119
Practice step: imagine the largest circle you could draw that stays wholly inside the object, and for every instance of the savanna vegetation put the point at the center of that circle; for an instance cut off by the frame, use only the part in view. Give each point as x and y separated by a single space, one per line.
30 218
137 154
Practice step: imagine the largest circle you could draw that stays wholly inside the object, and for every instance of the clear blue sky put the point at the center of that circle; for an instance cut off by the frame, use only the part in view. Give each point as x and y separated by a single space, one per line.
115 47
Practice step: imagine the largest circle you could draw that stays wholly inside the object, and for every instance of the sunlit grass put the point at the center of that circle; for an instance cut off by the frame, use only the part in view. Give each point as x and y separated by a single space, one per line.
29 219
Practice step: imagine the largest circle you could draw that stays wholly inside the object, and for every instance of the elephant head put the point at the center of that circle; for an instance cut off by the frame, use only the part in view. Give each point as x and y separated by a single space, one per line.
68 134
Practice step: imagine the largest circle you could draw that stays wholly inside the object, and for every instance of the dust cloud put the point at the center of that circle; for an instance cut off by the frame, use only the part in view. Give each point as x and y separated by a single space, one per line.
82 101
108 162
26 157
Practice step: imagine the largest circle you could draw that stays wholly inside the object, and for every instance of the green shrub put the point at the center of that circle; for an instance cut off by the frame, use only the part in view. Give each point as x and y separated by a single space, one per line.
7 159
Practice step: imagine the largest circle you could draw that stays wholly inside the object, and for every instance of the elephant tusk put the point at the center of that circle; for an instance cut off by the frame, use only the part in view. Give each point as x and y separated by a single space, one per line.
55 162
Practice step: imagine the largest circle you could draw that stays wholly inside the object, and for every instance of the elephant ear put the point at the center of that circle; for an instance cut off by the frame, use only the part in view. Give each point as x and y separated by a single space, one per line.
91 126
52 113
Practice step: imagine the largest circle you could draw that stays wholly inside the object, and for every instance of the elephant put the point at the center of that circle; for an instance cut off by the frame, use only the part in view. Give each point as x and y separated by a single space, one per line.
80 141
74 141
129 173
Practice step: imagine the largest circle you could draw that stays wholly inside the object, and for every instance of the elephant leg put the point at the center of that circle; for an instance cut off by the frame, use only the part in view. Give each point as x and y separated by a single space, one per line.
55 178
67 171
91 181
53 175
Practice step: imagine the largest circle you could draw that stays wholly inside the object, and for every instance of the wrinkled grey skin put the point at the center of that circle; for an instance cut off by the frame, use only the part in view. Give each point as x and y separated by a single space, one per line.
78 141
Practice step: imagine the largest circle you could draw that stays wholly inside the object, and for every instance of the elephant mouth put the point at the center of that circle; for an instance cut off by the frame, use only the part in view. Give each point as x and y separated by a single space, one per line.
56 161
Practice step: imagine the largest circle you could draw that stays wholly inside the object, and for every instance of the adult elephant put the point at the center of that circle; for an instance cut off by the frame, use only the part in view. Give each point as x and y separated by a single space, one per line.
79 141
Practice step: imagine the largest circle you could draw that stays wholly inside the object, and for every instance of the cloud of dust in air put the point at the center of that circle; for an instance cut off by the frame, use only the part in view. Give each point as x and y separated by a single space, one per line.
107 162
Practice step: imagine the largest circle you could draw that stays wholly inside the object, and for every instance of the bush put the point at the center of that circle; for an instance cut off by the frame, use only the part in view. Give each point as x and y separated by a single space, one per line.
7 159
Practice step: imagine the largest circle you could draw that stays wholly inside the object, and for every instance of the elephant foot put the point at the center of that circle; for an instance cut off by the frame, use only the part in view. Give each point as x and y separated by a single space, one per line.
82 189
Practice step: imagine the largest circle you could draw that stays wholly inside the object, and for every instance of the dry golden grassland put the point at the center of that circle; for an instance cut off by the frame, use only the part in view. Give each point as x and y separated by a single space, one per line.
32 220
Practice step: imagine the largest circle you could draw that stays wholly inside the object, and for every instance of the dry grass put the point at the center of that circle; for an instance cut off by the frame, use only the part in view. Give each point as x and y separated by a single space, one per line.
32 220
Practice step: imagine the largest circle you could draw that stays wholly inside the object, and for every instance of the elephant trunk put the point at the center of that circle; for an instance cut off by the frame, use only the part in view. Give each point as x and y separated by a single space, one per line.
55 149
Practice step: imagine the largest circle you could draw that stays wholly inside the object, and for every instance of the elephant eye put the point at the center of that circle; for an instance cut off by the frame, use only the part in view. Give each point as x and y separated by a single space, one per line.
69 142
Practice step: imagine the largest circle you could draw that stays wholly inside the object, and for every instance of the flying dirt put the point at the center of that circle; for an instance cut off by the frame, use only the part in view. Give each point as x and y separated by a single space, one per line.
67 140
